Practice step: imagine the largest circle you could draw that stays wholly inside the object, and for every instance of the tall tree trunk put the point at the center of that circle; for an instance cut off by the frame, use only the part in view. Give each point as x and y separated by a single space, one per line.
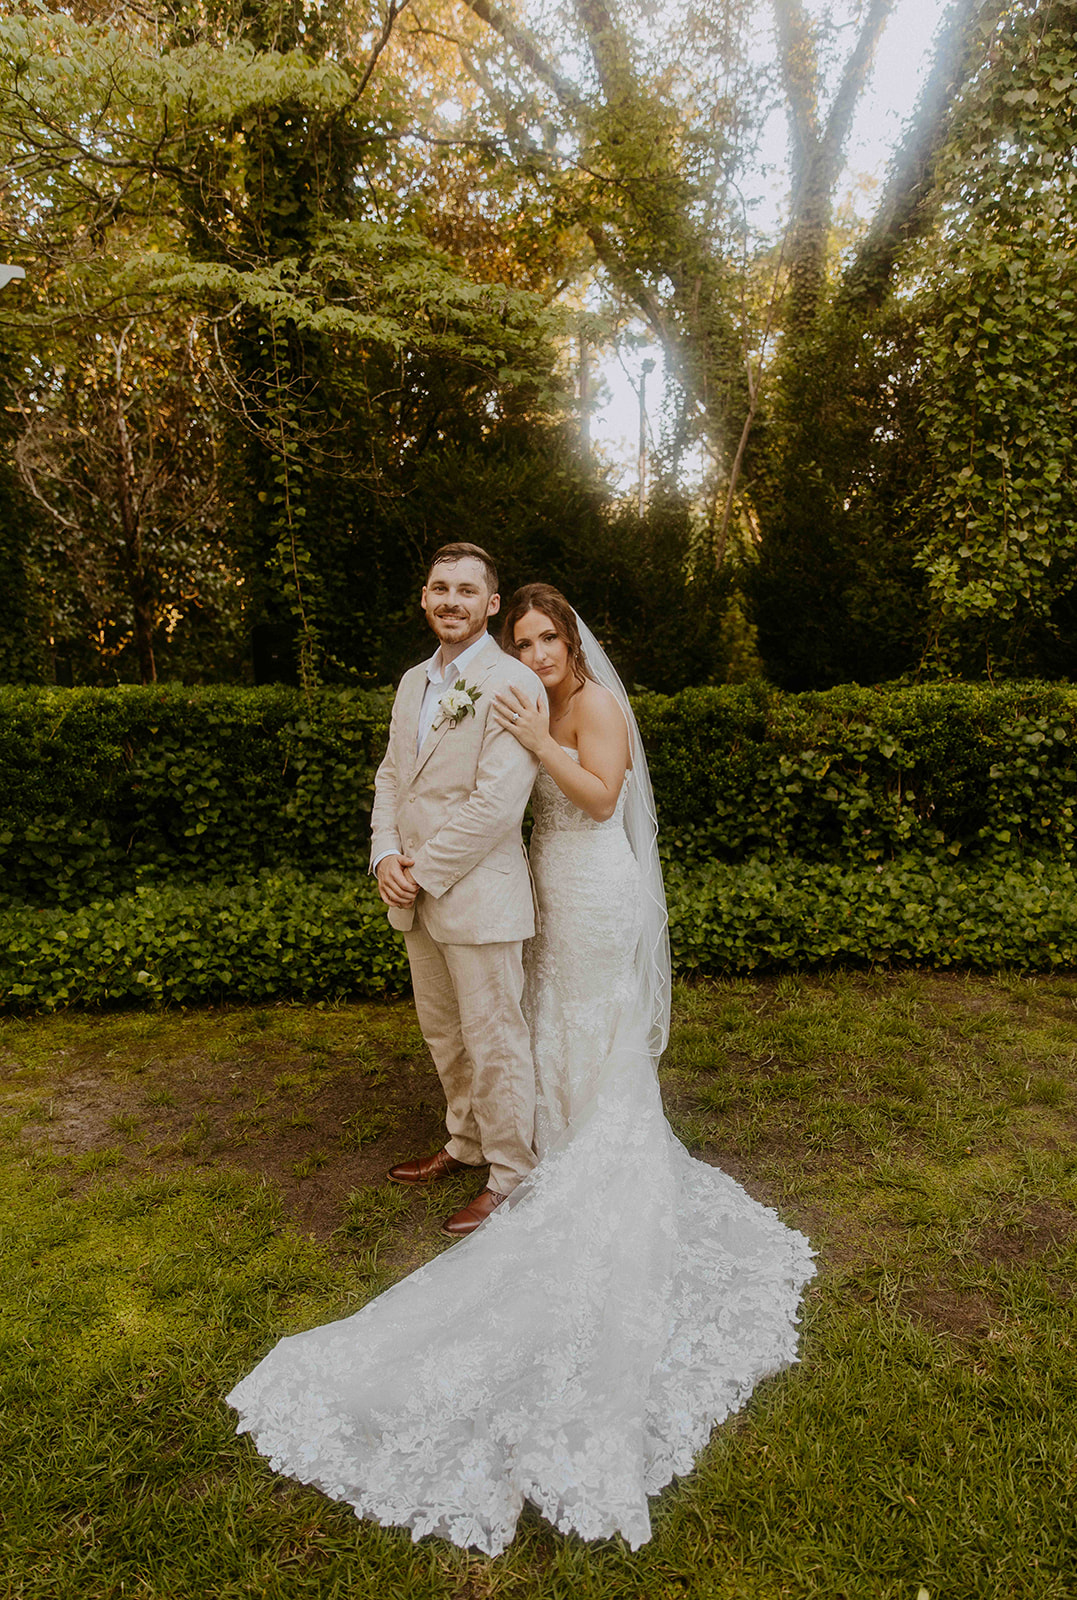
905 208
817 149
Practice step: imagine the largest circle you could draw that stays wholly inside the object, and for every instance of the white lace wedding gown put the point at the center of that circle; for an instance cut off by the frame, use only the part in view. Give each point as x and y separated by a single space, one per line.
576 1350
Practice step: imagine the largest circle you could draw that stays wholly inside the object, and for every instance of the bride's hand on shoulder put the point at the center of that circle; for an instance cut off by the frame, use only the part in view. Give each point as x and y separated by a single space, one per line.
528 723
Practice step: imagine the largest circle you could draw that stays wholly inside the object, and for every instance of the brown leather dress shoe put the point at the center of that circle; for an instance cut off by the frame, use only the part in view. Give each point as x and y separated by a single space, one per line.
427 1169
468 1219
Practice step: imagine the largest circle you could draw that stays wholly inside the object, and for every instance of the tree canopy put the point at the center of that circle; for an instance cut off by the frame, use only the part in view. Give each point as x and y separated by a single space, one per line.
310 288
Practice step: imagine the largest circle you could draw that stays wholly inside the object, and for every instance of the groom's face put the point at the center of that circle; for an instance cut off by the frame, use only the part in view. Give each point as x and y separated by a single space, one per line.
457 601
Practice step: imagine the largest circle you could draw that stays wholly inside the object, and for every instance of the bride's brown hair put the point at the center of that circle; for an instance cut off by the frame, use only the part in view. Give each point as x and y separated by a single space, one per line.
551 603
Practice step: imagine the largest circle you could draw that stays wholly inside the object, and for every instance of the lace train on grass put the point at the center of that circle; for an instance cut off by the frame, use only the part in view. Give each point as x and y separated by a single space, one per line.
578 1349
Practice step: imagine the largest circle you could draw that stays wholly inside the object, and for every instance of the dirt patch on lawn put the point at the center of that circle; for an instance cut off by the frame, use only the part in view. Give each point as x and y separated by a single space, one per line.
1029 1237
963 1315
316 1117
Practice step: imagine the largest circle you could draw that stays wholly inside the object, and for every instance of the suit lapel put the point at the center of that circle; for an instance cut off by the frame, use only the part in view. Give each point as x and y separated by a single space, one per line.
411 704
474 675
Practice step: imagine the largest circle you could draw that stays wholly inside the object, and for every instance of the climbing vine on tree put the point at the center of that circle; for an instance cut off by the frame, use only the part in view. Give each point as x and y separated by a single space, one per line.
998 352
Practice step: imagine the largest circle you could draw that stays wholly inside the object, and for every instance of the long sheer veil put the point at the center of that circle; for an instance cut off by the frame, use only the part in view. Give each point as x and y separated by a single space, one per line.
653 968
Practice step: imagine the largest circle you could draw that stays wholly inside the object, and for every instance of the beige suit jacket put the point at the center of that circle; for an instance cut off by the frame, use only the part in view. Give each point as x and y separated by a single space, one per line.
456 807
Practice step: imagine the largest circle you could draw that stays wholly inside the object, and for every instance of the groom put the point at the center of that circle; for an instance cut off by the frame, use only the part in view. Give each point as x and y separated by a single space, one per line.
450 864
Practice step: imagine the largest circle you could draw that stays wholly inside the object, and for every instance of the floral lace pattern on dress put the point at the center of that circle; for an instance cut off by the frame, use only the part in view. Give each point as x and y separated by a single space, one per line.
580 978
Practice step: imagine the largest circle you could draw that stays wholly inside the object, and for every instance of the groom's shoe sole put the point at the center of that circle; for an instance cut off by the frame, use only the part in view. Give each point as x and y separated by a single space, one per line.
474 1215
428 1169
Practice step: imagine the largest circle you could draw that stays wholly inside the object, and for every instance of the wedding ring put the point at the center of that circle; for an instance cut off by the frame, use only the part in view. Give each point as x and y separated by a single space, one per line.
515 716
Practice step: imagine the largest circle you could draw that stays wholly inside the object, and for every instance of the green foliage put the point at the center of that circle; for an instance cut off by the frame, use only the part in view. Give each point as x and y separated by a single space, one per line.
765 913
369 295
664 622
365 354
854 776
275 934
234 183
129 557
834 591
21 652
187 845
521 491
283 934
998 299
524 497
105 789
913 471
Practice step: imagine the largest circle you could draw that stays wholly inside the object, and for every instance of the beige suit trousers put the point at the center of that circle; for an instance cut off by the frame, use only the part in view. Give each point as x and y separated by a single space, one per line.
467 997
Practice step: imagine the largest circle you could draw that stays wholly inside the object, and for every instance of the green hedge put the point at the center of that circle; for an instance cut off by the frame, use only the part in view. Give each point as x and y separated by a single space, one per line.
767 914
284 935
865 775
104 790
274 934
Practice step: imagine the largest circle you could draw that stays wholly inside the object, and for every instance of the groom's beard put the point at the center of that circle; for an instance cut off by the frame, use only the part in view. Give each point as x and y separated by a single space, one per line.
442 624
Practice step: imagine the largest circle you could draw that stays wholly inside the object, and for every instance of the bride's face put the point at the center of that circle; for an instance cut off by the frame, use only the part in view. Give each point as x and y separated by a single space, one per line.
540 647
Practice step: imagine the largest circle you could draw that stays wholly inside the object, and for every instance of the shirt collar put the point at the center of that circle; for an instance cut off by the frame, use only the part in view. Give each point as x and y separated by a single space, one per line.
435 673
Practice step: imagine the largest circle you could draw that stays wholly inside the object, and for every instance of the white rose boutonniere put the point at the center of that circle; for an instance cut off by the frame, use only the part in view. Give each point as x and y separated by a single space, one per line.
458 702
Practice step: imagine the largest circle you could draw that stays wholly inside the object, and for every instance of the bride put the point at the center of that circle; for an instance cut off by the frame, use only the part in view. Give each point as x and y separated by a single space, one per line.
578 1348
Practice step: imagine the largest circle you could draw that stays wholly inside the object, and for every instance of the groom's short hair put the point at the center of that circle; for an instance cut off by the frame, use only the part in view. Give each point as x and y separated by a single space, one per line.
461 551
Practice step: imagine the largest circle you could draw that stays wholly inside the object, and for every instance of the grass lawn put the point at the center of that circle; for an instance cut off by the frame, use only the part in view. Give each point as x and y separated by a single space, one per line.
179 1189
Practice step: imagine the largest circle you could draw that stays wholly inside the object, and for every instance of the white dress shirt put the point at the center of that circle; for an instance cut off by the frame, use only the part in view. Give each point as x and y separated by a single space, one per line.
438 679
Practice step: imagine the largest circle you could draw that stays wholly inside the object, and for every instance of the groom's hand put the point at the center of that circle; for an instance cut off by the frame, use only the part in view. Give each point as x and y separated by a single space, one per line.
396 885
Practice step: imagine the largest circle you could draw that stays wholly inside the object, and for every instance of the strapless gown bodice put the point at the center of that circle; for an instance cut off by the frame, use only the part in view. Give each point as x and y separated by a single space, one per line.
554 812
